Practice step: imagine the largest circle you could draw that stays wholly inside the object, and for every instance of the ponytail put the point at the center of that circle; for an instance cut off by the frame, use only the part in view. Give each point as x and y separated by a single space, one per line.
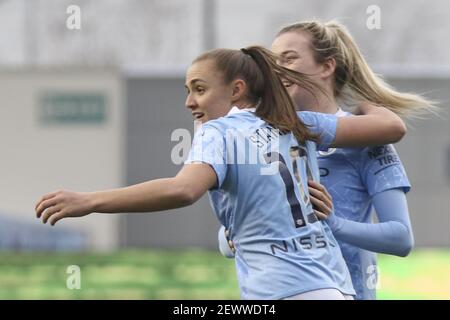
355 81
276 106
258 68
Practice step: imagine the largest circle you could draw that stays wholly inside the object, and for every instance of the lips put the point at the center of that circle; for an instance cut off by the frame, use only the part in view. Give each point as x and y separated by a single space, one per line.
197 115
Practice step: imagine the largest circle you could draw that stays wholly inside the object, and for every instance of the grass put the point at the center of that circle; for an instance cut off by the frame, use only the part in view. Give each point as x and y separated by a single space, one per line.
189 274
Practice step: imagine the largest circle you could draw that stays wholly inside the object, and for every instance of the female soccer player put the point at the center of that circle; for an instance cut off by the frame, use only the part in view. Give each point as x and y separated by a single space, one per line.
358 179
282 250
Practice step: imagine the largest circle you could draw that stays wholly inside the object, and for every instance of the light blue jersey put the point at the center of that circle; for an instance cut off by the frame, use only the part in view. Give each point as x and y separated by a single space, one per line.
353 176
281 247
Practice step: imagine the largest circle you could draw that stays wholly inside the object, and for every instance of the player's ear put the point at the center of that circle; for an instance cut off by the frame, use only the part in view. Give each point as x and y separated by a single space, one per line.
328 68
238 87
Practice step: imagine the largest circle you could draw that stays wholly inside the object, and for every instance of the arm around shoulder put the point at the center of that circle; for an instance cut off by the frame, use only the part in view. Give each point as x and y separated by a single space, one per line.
376 126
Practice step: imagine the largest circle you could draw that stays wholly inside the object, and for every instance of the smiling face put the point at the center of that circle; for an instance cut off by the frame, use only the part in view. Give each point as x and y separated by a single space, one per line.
208 97
295 52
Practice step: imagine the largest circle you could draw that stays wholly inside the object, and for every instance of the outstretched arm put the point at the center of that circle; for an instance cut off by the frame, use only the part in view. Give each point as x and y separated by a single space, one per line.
376 126
185 188
393 233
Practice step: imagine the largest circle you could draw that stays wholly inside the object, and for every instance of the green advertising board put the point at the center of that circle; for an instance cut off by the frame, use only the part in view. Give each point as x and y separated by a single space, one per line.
72 108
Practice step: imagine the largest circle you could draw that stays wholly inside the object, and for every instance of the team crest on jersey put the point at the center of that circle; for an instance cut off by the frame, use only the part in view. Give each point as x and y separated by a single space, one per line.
330 151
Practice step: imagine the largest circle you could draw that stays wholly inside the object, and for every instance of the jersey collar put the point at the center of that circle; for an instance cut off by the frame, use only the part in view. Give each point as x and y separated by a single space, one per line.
235 109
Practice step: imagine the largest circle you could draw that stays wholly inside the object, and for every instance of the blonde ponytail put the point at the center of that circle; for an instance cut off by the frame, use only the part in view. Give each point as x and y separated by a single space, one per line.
355 81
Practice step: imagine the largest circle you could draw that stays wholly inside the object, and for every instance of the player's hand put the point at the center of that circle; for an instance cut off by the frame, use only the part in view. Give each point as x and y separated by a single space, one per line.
321 200
230 243
57 205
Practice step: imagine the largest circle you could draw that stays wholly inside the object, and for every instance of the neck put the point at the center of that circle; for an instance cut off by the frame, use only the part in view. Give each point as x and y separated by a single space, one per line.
243 104
322 104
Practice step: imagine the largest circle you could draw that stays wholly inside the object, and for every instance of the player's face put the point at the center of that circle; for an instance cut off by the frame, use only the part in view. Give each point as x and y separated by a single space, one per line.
295 52
208 97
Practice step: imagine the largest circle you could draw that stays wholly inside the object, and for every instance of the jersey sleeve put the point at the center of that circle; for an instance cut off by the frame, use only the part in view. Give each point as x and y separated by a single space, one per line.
323 125
381 169
392 235
209 147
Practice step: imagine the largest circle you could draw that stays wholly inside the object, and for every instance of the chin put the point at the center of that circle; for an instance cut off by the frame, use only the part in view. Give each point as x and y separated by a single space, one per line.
301 98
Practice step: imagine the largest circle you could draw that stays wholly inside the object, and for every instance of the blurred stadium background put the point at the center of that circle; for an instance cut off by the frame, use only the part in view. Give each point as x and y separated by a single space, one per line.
95 108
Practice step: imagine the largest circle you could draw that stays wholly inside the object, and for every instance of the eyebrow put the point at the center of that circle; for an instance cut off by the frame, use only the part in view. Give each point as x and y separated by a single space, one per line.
288 51
193 81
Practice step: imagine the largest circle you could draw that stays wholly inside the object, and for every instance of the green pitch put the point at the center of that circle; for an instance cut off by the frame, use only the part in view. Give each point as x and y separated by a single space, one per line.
192 274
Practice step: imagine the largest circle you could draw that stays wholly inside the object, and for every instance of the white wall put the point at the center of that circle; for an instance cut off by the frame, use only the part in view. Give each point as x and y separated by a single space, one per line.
37 157
172 32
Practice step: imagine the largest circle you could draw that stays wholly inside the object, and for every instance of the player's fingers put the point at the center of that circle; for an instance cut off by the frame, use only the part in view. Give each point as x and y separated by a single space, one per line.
321 206
317 204
317 185
321 196
56 217
231 245
320 215
328 201
46 197
49 212
45 205
314 184
324 196
321 188
328 194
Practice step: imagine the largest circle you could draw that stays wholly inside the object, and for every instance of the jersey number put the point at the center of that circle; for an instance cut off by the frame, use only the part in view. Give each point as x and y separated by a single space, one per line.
296 209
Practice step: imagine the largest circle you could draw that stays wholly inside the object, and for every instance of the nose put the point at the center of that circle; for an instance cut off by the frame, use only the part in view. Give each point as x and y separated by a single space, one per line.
190 102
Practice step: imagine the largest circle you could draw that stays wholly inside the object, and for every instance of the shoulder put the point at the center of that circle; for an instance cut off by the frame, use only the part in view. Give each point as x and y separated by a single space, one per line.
217 126
232 121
